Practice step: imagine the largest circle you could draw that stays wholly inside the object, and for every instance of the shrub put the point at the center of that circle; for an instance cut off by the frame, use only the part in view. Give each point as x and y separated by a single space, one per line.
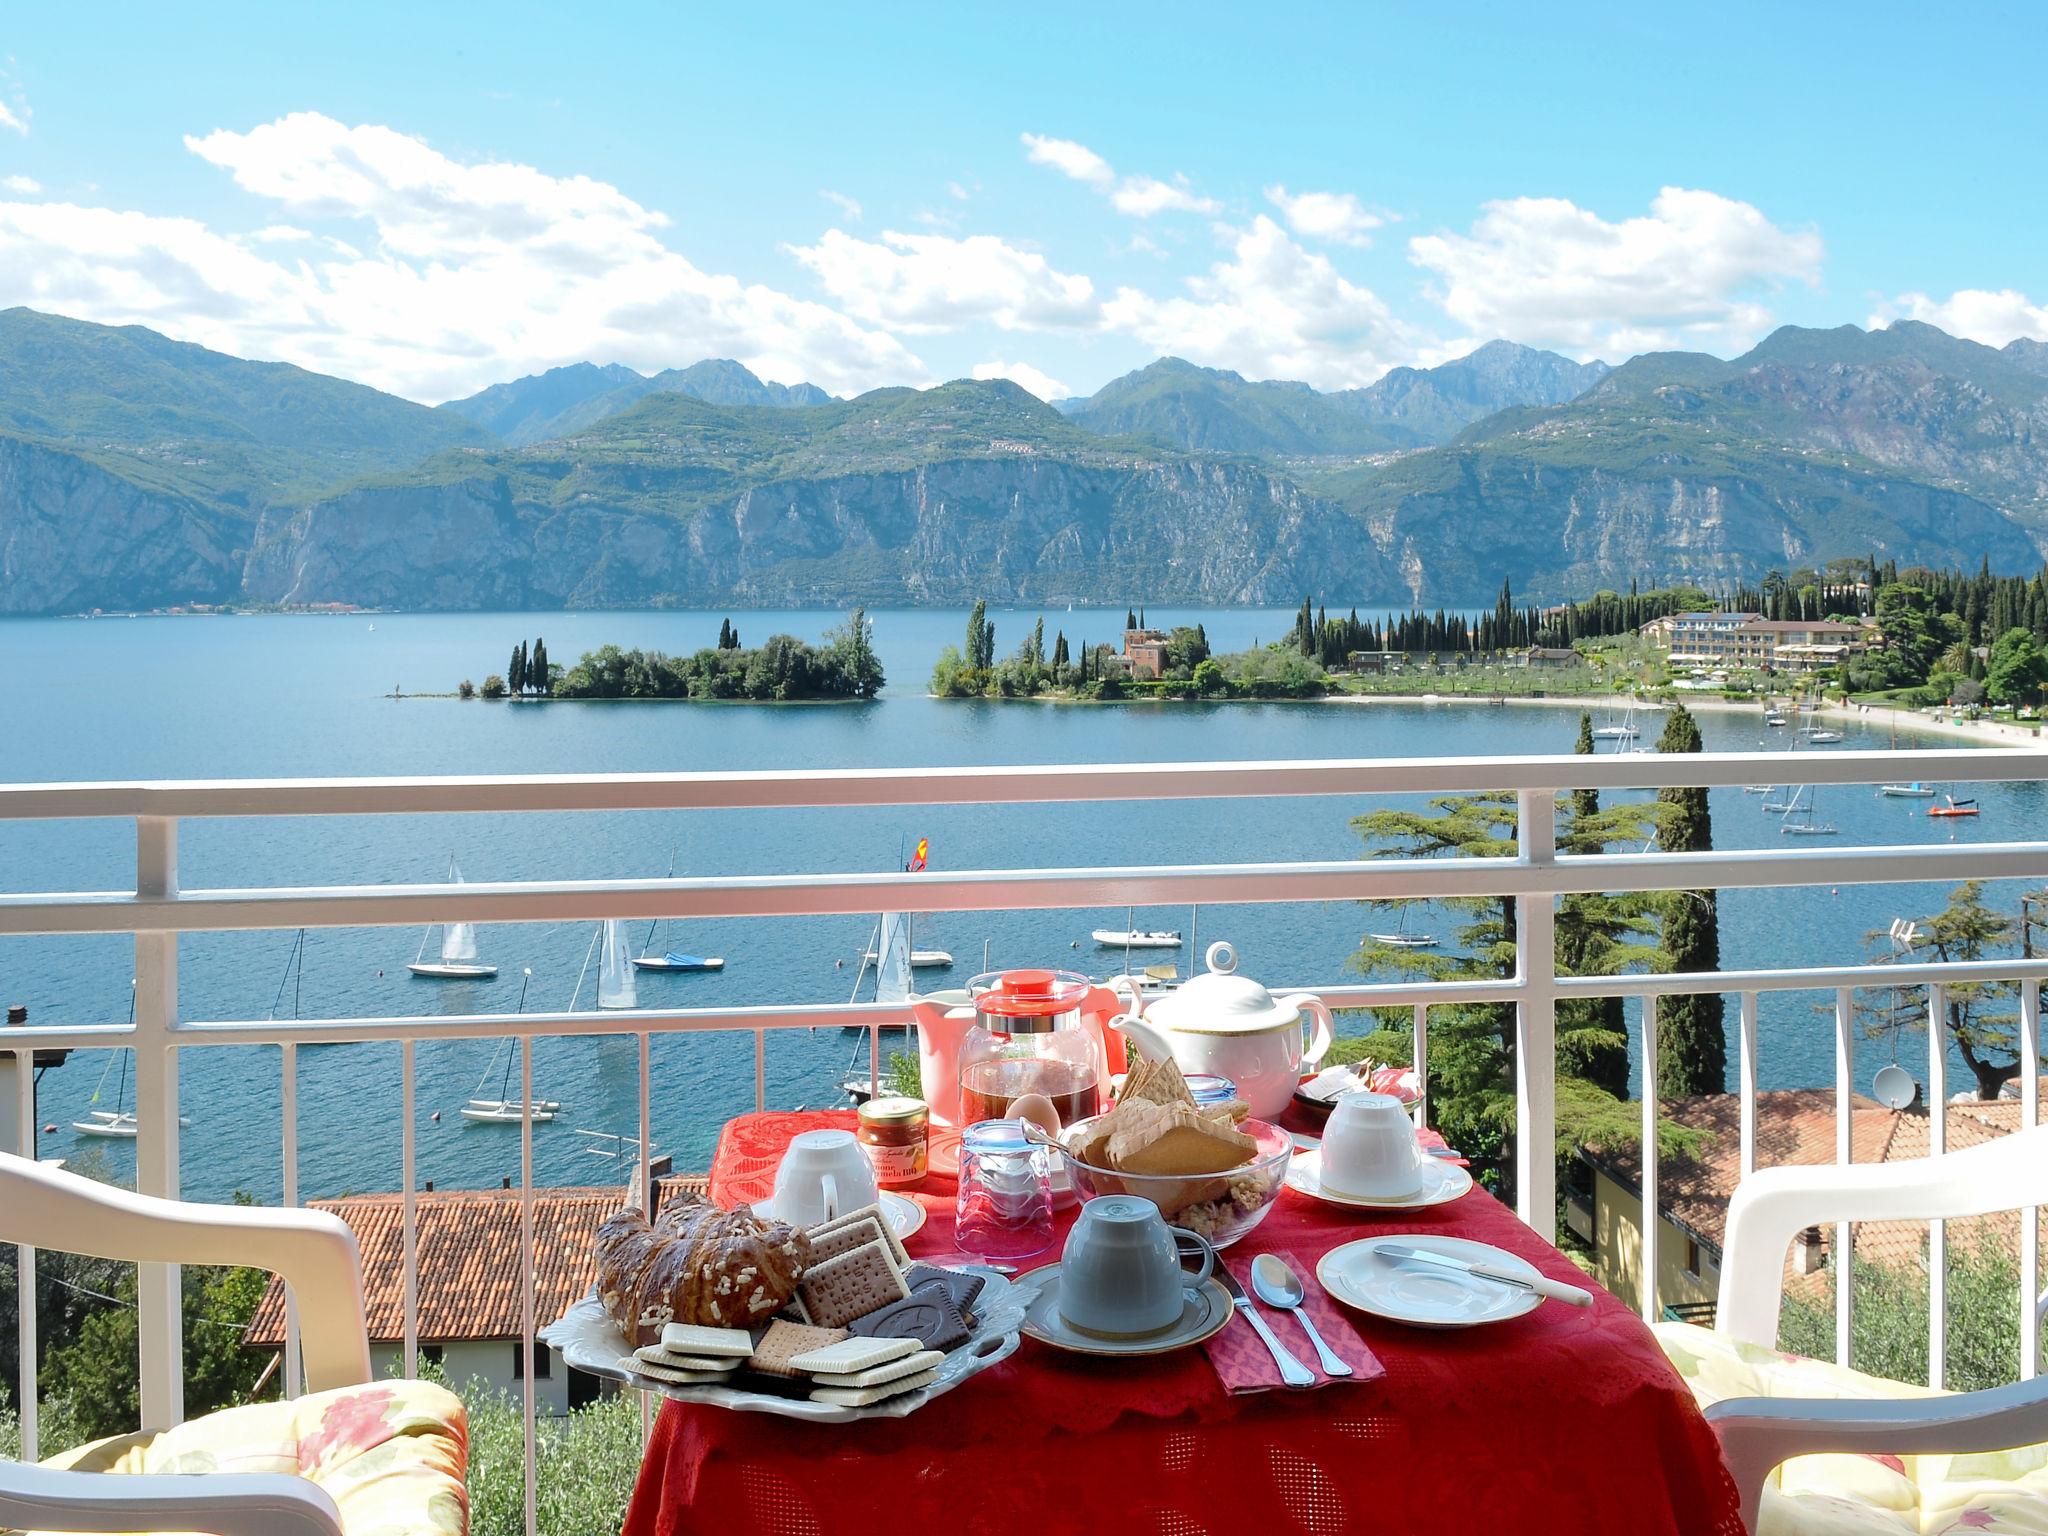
494 687
465 689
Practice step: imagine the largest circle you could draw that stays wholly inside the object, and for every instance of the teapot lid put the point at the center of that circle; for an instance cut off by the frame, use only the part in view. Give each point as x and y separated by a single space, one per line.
1219 1001
1029 1001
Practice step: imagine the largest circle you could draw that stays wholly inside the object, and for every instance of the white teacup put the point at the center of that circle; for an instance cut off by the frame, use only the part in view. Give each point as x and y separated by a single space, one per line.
1369 1148
1120 1272
823 1174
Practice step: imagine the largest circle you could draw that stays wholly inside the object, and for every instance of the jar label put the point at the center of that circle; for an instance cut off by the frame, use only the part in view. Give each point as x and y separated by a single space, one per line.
897 1165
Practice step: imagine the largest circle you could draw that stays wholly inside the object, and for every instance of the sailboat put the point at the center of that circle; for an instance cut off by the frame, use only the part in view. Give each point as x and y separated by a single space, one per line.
1137 938
1808 827
671 959
921 959
1913 791
1401 938
458 960
615 985
892 985
1954 807
1820 735
118 1123
504 1109
1626 731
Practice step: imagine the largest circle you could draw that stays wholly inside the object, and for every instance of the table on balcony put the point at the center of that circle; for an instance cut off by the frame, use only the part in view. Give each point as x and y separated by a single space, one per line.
1563 1420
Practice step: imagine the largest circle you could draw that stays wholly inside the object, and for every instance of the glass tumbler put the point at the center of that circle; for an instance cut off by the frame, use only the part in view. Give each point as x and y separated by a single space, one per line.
1005 1200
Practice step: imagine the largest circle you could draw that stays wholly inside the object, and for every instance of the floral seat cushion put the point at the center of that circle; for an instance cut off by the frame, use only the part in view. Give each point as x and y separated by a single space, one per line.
392 1455
2000 1491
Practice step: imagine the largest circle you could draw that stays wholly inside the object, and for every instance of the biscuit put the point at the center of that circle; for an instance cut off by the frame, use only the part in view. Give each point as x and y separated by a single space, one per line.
828 1242
862 1397
656 1354
852 1285
875 1375
928 1316
695 1339
868 1212
850 1355
963 1287
640 1367
783 1341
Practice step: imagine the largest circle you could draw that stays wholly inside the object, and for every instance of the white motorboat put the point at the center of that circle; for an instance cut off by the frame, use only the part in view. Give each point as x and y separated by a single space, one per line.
1913 791
1776 717
458 960
1130 938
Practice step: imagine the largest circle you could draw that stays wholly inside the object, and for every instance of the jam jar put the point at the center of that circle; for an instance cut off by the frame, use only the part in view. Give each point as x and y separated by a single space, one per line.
892 1133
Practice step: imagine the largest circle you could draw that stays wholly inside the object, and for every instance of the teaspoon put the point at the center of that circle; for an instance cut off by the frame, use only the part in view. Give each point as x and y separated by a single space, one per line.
1278 1286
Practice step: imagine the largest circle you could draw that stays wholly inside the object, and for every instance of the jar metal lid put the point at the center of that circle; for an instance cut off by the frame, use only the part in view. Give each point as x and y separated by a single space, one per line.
893 1110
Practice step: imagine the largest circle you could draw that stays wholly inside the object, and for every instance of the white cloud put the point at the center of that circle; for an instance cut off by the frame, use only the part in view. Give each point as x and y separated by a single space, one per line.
15 117
1976 313
1143 196
1691 273
1139 196
467 273
1068 158
1273 310
847 206
28 186
937 282
957 192
1043 385
279 234
1337 216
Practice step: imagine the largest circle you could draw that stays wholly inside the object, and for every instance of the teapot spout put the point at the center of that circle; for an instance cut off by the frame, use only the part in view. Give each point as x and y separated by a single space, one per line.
1150 1042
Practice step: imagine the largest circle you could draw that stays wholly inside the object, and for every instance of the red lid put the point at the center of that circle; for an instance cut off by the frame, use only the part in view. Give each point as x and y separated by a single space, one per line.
1028 994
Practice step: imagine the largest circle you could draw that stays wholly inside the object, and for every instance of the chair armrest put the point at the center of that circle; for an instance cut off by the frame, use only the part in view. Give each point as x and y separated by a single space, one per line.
313 1252
36 1498
1773 1205
1757 1433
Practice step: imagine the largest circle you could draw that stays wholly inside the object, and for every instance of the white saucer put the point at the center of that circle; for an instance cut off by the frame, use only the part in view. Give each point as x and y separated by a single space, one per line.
1442 1182
904 1215
1204 1313
1421 1294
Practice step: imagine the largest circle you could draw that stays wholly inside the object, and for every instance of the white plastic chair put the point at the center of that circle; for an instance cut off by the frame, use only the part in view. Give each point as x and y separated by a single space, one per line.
1773 1206
316 1255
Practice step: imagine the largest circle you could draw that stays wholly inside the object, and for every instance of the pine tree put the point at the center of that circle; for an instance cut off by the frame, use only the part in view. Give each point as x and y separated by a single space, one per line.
1130 618
1692 1054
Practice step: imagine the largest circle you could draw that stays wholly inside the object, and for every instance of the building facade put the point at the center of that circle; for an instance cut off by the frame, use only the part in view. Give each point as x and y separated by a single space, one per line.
1749 641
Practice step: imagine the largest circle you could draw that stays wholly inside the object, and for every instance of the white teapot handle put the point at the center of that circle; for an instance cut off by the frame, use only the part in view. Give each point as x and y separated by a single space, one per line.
1325 1026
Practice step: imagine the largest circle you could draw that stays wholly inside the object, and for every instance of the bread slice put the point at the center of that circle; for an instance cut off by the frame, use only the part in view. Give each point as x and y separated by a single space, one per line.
1175 1139
1164 1084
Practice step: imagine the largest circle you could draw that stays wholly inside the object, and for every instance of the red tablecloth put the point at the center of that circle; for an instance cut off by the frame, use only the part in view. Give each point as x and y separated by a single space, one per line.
1563 1420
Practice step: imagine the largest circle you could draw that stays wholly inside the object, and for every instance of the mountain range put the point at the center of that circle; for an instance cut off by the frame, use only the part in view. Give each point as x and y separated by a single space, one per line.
140 472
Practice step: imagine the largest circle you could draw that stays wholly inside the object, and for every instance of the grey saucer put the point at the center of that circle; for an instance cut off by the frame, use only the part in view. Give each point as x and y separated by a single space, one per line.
1203 1313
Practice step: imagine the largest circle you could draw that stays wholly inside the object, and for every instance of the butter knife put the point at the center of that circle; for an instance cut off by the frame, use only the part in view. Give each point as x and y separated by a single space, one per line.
1556 1290
1292 1371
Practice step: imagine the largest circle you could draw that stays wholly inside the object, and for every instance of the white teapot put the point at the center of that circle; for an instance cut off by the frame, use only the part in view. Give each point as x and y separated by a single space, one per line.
1229 1025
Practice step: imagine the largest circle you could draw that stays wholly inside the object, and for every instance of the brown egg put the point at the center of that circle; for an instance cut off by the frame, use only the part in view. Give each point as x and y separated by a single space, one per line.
1037 1108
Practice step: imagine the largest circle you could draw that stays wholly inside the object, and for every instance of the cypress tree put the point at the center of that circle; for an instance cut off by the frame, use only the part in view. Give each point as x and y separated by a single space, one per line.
515 672
1585 802
1059 649
976 624
1692 1048
537 668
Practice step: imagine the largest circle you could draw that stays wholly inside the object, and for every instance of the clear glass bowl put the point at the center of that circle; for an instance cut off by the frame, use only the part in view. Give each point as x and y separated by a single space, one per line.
1220 1206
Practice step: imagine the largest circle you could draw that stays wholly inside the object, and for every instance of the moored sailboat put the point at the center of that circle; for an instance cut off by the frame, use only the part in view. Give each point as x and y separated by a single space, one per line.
458 960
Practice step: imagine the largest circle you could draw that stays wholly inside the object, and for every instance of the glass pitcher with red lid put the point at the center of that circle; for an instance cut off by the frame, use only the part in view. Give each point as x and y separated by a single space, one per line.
1032 1034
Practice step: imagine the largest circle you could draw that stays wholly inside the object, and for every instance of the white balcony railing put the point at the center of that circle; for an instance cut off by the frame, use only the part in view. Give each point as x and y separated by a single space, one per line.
157 910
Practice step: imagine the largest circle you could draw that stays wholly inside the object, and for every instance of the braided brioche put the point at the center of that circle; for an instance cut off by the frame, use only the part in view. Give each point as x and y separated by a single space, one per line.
695 1263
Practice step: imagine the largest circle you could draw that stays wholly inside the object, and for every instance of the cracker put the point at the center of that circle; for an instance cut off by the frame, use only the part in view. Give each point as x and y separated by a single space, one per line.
874 1376
850 1355
843 1236
1164 1084
870 1212
963 1287
852 1285
696 1339
640 1367
784 1341
656 1354
928 1316
864 1396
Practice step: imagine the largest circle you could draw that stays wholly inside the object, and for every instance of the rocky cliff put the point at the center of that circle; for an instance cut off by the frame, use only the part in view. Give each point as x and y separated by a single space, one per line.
951 531
75 536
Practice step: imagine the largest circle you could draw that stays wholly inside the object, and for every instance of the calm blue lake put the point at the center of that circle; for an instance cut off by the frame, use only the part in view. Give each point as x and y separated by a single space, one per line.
260 696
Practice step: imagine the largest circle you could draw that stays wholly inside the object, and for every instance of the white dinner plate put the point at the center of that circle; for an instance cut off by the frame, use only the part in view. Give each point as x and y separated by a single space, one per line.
1442 1182
1425 1295
903 1214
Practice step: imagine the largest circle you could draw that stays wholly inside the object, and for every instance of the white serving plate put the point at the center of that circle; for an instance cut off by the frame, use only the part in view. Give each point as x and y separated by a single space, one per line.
590 1341
1442 1182
1425 1295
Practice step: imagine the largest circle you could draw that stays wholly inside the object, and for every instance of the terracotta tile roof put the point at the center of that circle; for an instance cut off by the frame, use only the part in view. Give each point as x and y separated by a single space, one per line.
1796 1127
468 1243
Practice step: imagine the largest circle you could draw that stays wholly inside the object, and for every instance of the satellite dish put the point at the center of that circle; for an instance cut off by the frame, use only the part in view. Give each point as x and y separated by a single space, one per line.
1894 1087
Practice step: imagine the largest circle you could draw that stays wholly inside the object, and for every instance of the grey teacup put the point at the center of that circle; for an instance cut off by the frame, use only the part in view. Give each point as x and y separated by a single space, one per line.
1121 1274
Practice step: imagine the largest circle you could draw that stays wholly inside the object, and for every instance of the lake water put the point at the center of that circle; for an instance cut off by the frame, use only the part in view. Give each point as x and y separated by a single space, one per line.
274 695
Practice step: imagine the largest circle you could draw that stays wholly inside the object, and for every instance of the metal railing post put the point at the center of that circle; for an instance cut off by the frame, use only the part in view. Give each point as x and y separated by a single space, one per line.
1653 1214
1937 1144
2030 1218
1845 1151
1536 1019
159 1287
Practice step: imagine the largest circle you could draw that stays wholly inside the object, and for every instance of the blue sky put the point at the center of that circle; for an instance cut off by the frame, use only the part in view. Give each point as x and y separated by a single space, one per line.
431 198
